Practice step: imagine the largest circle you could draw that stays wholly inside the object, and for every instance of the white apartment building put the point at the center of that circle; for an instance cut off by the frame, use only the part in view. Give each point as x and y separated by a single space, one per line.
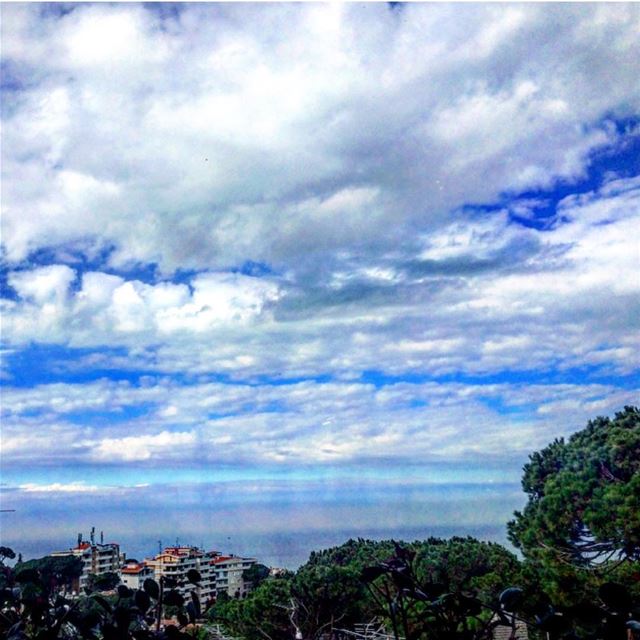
229 575
218 573
97 558
175 562
133 574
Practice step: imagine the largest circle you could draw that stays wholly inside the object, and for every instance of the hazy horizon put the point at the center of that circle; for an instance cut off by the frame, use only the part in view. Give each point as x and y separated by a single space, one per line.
277 523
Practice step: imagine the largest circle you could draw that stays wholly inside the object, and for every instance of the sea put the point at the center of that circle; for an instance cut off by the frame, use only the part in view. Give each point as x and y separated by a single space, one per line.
278 527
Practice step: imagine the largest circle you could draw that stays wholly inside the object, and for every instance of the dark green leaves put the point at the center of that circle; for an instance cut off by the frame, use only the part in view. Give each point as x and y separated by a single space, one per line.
369 574
511 598
191 612
6 552
615 596
103 602
27 575
584 495
194 576
151 587
34 609
173 599
469 606
183 619
124 591
195 601
142 600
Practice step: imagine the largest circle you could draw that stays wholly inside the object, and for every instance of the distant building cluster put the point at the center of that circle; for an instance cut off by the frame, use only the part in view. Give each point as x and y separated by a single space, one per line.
97 558
219 573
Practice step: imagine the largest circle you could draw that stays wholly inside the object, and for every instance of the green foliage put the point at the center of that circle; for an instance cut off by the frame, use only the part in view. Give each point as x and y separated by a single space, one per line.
33 609
583 511
53 571
442 589
6 552
355 553
256 574
328 592
103 582
265 613
326 596
466 563
431 611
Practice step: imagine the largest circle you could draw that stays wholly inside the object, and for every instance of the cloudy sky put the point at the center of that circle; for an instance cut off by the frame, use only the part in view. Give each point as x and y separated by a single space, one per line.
311 249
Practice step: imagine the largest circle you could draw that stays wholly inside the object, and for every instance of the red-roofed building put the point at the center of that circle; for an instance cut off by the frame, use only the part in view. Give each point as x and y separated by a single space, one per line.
175 562
97 558
133 574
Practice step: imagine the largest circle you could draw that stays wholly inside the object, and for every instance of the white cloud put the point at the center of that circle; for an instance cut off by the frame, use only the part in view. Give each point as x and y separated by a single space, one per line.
307 422
339 146
227 133
107 305
110 40
479 295
144 447
44 285
58 487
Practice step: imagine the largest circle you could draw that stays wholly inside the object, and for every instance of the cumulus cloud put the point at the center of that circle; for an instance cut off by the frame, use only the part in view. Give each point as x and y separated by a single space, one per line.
295 199
206 136
132 448
105 306
481 294
298 423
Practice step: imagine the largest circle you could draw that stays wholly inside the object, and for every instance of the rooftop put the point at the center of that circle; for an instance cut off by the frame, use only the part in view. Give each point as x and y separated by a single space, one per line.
132 569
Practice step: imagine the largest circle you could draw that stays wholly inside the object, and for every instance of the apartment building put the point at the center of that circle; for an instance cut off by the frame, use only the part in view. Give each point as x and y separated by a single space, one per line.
97 558
133 574
229 575
218 573
175 562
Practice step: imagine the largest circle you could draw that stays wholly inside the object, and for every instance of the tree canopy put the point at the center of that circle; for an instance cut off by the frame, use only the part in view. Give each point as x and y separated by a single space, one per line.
584 494
328 592
256 574
53 570
103 582
265 614
583 509
6 552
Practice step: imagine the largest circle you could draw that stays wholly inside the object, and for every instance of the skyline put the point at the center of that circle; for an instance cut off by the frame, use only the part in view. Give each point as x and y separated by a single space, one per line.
326 254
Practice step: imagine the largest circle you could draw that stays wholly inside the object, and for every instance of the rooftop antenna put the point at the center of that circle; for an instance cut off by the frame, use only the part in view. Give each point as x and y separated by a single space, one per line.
159 546
102 537
177 542
93 535
79 539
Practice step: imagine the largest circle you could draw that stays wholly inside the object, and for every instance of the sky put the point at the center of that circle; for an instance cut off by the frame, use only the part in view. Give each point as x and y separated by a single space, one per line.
308 267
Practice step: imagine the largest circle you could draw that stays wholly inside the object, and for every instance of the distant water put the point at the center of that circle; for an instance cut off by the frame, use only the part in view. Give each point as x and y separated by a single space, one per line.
277 549
278 527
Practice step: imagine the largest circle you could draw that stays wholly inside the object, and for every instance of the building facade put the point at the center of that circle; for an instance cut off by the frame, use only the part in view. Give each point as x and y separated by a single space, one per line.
97 558
175 562
229 575
133 574
218 573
